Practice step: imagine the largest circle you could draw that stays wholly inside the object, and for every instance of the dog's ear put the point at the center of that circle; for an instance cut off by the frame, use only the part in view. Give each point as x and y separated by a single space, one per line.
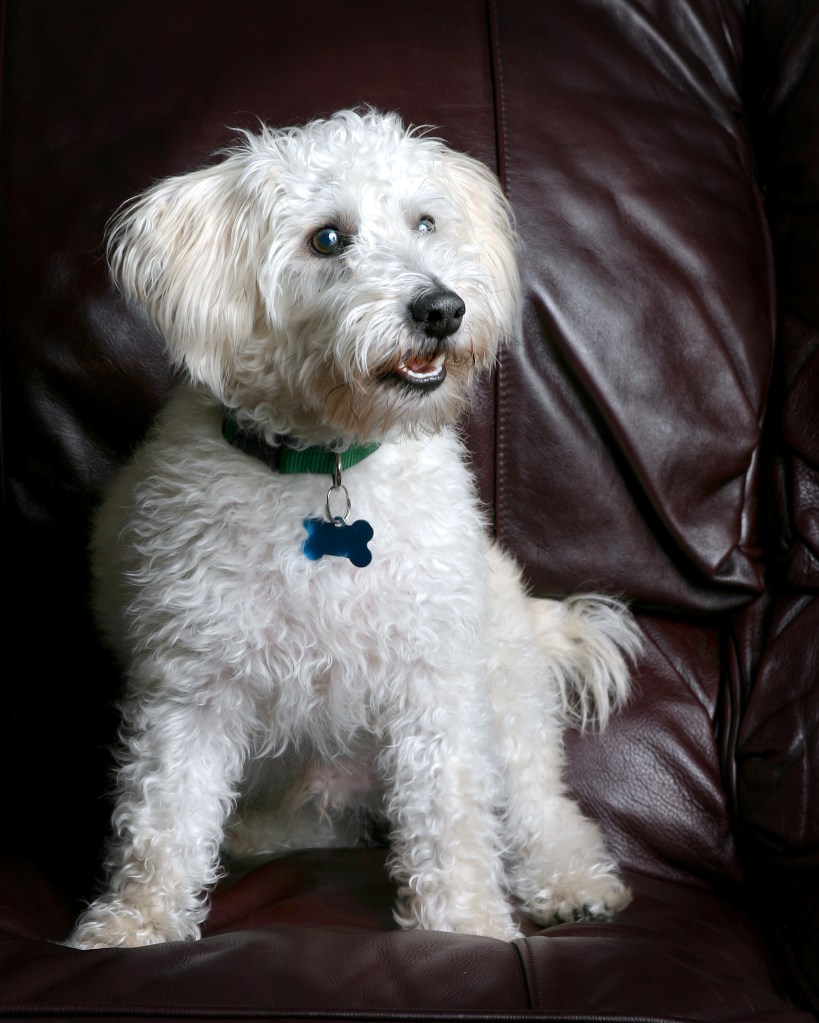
489 218
185 250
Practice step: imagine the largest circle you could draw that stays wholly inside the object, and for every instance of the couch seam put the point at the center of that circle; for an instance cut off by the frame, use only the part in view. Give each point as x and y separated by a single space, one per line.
501 157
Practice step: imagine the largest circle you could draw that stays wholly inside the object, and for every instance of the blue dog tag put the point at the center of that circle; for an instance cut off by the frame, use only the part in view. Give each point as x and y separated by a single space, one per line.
339 540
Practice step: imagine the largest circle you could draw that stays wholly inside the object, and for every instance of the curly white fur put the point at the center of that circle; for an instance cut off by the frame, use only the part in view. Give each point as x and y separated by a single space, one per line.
271 696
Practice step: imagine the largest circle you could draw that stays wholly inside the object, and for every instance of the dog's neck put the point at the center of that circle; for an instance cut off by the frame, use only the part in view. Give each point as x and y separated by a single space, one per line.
284 458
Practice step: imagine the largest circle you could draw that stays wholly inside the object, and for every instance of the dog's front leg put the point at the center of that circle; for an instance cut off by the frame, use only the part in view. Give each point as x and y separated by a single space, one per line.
180 766
445 843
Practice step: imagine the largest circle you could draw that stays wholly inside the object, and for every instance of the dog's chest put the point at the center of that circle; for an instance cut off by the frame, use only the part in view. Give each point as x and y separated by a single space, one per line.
326 626
200 548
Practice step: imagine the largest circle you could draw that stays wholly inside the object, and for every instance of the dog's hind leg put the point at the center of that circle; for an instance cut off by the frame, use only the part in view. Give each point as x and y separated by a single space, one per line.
559 867
181 763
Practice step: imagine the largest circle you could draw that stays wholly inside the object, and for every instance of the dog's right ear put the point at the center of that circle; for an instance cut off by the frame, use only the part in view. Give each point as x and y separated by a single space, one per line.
185 250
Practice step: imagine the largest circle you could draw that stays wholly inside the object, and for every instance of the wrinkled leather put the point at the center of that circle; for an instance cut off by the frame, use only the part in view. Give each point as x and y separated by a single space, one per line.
654 321
785 89
653 431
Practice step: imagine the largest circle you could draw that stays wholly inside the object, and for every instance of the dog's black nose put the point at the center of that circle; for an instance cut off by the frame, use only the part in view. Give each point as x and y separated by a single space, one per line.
439 311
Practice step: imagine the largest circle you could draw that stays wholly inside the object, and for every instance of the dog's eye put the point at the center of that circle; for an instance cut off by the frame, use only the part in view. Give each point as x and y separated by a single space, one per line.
327 241
426 225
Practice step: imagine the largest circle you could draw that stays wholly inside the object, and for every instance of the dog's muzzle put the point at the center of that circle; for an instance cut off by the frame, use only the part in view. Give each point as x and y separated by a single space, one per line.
436 314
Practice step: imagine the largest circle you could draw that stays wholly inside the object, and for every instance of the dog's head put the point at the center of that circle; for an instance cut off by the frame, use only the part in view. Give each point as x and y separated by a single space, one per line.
339 280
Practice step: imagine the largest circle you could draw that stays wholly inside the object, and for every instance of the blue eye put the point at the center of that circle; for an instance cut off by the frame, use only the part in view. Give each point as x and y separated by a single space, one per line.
327 241
426 225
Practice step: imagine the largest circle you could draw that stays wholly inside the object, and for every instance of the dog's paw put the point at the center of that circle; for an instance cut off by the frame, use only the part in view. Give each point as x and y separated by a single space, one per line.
115 925
503 928
590 896
484 920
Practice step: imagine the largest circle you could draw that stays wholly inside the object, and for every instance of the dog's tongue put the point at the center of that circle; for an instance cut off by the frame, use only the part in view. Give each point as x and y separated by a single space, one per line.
421 367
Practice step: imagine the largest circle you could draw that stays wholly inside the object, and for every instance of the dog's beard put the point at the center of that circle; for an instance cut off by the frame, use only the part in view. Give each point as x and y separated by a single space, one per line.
387 377
413 394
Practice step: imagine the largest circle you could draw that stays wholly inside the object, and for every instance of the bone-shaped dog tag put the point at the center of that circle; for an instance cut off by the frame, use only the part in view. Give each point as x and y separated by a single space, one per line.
339 540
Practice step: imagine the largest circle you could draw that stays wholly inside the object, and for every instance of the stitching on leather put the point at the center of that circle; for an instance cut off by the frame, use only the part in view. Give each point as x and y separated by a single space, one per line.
500 118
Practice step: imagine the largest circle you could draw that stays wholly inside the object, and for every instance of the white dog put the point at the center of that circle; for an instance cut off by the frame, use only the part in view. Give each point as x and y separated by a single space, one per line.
295 571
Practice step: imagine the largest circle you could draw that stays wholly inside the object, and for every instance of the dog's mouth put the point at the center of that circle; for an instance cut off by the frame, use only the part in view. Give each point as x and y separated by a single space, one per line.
421 373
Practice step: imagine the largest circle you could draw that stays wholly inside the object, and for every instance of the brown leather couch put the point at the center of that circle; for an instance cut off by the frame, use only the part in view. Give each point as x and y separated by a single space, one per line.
654 432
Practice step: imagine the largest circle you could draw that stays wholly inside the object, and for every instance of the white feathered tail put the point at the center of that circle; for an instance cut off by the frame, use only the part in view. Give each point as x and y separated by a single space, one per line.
591 642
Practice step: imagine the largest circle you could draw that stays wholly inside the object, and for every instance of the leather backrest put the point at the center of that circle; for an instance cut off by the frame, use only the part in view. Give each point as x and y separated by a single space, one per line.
620 443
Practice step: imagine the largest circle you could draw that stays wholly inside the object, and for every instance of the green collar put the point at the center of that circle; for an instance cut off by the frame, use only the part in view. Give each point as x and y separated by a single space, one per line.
284 459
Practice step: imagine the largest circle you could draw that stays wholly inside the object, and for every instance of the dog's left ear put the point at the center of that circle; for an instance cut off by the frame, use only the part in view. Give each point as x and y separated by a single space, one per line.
186 251
490 219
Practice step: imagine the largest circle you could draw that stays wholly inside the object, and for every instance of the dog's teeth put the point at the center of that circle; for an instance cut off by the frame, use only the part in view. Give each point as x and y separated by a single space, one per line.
423 369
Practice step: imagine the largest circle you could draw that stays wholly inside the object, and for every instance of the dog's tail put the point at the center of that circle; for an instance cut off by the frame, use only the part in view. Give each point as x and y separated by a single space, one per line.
591 643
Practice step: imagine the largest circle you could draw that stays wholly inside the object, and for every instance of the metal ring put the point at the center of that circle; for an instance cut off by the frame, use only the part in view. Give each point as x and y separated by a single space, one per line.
338 488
